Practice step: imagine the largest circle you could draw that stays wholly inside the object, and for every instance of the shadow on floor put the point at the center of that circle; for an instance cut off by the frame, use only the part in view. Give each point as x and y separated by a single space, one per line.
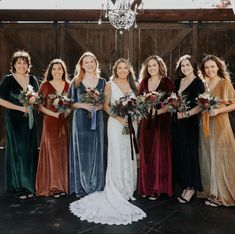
52 216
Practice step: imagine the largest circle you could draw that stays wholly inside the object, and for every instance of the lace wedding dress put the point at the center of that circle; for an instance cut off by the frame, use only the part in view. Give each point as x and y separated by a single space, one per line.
111 206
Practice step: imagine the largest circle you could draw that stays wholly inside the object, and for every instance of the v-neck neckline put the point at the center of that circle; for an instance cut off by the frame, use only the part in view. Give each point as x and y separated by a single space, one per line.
56 89
186 86
19 83
156 87
90 87
121 89
211 90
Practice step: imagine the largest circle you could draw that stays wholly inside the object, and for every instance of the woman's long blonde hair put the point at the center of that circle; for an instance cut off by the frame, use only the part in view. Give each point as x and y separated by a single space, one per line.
80 72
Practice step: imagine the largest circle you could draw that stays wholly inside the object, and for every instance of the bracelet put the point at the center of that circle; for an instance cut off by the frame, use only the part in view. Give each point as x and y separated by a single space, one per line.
187 114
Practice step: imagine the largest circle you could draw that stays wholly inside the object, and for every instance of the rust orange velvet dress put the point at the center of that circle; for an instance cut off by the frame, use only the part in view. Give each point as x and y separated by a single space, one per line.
155 172
52 171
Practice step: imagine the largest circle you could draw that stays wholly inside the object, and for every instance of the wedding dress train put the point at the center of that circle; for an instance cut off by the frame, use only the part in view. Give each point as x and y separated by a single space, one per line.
111 206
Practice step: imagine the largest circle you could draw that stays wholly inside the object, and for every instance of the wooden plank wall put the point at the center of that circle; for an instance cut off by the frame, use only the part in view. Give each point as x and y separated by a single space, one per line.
69 40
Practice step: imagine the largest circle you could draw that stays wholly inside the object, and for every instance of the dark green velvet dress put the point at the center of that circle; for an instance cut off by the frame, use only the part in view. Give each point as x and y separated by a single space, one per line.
21 142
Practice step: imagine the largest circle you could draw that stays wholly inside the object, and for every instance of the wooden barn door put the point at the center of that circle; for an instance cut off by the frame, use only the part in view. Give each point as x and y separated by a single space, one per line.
169 41
39 40
68 41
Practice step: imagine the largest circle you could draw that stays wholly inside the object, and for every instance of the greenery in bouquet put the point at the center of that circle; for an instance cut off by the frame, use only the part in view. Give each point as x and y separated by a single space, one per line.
154 98
61 103
207 101
126 107
92 96
177 103
29 97
142 106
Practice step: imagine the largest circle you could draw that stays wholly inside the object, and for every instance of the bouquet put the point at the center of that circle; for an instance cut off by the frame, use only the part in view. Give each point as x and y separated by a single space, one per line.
61 103
126 107
29 98
177 103
142 106
154 98
207 102
92 96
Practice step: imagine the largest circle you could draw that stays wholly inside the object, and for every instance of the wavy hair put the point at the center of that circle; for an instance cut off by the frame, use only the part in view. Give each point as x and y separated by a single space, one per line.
20 54
222 72
80 72
131 76
144 74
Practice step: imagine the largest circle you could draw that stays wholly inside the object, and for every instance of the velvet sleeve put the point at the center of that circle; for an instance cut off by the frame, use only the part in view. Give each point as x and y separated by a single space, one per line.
228 92
176 84
104 83
171 85
141 88
167 85
72 94
35 83
200 87
43 93
5 88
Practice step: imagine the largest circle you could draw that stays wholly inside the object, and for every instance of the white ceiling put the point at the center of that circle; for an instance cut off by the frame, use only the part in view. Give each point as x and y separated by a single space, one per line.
96 4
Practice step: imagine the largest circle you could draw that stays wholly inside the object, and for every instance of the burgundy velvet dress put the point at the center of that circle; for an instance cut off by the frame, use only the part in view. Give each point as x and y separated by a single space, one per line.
52 171
155 172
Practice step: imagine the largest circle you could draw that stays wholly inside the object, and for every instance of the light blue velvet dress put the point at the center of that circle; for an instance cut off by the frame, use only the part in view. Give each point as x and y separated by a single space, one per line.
86 154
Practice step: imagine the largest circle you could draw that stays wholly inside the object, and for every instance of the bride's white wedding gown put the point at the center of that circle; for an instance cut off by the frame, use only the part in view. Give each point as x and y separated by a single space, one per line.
111 206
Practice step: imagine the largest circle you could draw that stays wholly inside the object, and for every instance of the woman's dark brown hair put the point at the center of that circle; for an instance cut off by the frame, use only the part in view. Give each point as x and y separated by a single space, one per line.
179 73
20 54
48 76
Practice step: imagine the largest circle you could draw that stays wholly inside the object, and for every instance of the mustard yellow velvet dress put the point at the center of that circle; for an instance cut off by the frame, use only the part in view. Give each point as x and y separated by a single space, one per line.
217 150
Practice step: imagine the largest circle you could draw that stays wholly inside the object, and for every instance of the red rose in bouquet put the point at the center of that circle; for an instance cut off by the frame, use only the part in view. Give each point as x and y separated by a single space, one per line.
177 103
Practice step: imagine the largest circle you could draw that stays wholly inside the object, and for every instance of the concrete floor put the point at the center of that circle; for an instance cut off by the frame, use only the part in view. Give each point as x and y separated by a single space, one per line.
51 216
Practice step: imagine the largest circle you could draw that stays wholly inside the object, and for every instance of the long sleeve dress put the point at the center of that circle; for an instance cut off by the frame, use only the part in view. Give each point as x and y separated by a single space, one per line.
52 170
21 151
155 172
86 154
217 150
186 140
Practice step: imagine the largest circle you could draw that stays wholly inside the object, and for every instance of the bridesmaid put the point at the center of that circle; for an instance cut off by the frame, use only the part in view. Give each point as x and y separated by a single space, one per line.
155 173
86 143
217 150
111 206
52 172
21 143
186 130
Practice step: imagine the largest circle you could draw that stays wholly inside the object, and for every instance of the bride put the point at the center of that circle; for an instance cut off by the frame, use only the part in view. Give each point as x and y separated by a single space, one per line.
111 206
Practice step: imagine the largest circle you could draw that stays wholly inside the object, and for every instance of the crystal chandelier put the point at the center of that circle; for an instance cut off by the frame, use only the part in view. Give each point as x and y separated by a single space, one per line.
121 15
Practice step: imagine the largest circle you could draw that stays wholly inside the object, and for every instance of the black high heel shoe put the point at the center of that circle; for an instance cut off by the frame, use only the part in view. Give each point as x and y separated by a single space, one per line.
182 200
187 198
